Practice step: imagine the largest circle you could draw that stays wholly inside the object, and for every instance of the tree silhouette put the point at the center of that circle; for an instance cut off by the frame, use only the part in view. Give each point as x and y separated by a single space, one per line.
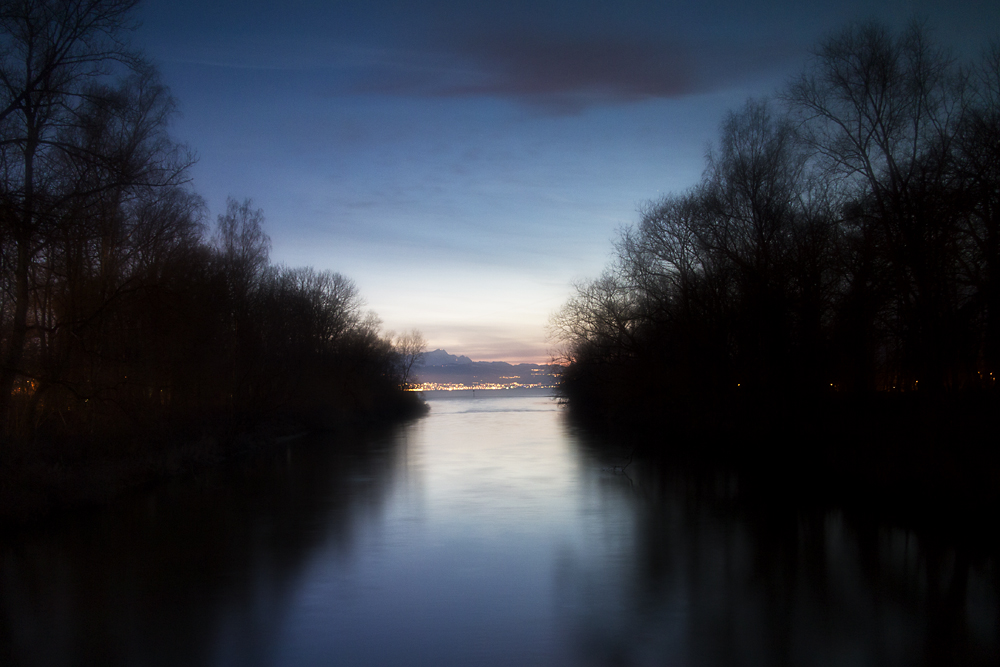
82 126
878 110
843 237
409 347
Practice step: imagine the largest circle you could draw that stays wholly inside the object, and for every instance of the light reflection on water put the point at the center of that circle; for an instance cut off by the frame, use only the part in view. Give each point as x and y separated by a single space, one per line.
487 533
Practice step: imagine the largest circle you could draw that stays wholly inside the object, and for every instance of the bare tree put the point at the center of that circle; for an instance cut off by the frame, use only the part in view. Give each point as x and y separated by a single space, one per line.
878 109
753 200
334 303
244 249
600 321
409 348
74 137
977 168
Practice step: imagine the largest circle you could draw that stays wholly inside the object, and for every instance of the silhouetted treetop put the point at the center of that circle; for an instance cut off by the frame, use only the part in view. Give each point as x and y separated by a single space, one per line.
117 316
844 237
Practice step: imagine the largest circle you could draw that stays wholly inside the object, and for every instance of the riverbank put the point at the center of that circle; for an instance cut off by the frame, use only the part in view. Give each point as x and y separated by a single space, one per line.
918 460
44 478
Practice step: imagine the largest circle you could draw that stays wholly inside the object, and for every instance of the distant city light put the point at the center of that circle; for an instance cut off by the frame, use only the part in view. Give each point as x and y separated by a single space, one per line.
457 386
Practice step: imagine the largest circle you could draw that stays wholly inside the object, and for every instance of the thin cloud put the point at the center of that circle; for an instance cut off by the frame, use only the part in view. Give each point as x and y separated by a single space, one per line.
565 74
535 66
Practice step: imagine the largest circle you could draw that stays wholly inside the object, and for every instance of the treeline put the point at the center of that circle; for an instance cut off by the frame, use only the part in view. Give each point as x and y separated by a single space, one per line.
122 318
843 240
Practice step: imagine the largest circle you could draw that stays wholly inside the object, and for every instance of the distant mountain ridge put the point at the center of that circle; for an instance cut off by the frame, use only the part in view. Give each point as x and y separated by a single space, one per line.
442 368
442 358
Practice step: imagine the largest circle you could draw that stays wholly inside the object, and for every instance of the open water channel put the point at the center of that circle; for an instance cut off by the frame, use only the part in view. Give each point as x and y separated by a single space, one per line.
490 532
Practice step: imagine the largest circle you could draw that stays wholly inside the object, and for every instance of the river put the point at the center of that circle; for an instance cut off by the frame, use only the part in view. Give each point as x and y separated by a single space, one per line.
490 532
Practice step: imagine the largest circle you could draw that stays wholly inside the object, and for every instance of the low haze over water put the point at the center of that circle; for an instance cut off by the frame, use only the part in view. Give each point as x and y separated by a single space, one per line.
488 533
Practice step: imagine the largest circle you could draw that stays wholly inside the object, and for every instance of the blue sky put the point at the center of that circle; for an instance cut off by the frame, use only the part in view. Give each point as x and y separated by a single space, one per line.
463 162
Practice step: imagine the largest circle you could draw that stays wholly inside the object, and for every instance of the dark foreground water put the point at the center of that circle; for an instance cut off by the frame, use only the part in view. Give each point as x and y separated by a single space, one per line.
487 533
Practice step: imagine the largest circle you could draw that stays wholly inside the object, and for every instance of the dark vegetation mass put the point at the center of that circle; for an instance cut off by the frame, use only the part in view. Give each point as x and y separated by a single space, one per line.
828 296
131 335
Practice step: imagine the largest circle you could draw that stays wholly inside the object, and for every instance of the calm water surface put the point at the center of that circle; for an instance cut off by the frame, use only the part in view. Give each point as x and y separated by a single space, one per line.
487 533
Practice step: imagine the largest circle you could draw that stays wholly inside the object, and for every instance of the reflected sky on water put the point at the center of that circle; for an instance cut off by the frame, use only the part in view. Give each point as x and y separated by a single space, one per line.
490 532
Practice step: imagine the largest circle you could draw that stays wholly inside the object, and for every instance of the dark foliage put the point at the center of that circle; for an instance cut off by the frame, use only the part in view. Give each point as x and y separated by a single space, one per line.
830 283
124 331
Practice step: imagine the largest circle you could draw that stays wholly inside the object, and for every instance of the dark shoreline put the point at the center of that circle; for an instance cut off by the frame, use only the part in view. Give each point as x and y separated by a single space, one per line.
39 481
920 461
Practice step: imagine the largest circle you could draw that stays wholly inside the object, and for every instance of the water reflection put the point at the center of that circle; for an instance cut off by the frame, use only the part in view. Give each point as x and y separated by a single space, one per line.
712 578
198 572
488 533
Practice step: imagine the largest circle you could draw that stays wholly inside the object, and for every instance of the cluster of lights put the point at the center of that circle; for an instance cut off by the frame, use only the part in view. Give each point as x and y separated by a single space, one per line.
27 387
449 386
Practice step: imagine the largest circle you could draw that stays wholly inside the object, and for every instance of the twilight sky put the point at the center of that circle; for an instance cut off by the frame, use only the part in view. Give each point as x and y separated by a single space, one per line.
465 162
